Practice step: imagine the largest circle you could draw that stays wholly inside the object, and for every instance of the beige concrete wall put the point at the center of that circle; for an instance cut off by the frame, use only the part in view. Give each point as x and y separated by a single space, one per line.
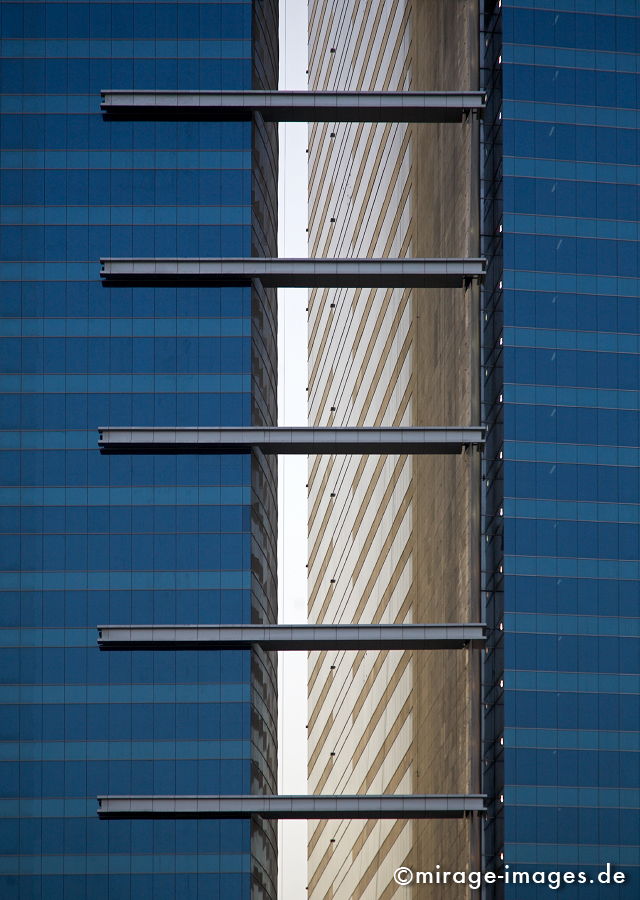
392 539
447 734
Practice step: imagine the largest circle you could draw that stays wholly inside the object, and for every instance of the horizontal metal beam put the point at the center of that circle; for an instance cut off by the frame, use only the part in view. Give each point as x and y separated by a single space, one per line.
368 806
289 440
279 272
290 637
294 106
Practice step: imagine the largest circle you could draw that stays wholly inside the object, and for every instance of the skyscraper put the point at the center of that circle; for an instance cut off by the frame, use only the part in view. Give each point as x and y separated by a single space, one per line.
562 378
393 539
90 539
541 538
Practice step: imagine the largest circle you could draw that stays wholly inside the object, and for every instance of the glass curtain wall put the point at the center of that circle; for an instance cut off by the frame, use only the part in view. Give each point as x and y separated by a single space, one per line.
90 539
562 394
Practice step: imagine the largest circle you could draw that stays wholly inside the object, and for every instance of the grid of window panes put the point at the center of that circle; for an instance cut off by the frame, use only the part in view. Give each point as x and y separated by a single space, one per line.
89 539
571 400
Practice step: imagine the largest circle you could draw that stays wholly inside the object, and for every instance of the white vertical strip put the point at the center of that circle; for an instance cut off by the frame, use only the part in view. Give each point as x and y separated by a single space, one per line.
292 470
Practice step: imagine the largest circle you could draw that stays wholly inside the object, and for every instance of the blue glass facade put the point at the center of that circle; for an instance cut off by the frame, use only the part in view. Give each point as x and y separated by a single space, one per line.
562 391
89 539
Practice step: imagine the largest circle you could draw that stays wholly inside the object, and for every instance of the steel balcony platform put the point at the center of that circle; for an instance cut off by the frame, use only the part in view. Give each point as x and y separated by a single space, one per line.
291 637
367 806
281 272
301 440
294 106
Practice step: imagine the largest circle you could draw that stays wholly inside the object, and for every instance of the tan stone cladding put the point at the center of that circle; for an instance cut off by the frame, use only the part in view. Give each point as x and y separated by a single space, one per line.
393 539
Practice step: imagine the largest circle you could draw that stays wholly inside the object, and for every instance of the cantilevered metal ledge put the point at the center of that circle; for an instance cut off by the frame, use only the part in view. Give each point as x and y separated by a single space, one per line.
290 637
280 272
368 806
289 440
294 106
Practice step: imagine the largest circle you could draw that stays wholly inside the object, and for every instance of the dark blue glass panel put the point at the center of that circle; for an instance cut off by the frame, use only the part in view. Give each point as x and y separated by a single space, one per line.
565 485
87 539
